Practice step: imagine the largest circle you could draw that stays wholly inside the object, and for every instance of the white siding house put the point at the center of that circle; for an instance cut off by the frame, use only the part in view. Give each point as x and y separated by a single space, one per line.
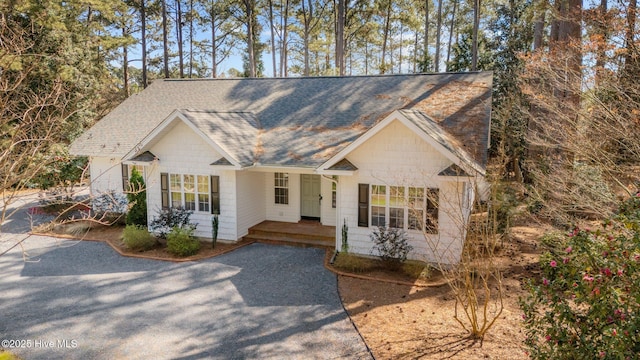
404 151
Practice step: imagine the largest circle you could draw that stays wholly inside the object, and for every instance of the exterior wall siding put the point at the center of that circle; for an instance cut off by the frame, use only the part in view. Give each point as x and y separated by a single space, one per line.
282 212
182 151
251 200
106 175
328 213
396 156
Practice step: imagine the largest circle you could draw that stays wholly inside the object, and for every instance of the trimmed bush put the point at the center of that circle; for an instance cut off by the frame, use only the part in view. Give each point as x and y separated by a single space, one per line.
180 242
137 238
391 245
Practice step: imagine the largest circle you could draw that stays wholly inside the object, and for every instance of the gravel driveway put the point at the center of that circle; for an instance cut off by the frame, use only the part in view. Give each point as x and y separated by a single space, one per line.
81 300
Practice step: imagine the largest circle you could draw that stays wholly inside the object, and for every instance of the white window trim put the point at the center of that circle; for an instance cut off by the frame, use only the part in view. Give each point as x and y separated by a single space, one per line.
406 208
195 191
285 177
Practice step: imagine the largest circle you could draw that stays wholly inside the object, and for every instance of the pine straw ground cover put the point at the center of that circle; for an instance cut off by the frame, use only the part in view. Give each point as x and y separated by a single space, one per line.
396 320
416 322
112 235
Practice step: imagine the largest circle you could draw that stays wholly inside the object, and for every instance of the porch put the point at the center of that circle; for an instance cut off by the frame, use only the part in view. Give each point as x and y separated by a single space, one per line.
305 233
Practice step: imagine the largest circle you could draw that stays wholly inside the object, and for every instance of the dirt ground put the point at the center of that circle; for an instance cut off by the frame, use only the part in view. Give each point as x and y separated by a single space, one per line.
401 321
411 322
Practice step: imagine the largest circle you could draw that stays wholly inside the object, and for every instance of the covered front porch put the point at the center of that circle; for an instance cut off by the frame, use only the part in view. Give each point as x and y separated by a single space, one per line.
306 233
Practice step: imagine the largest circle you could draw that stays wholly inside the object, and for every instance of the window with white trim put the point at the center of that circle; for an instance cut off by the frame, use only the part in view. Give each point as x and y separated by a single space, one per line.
281 188
412 208
203 193
378 205
175 188
396 206
416 208
190 192
334 192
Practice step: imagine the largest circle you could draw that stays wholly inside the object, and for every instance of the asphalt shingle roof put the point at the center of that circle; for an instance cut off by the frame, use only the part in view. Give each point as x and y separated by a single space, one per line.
298 121
235 132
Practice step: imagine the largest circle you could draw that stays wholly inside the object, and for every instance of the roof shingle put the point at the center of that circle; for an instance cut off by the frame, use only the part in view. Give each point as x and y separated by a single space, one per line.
297 121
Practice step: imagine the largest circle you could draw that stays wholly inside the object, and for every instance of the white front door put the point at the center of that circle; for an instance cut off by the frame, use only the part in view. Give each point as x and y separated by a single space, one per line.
310 196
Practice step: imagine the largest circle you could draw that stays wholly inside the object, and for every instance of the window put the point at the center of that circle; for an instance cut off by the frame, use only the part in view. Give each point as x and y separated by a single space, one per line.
431 221
419 206
378 205
334 197
176 190
416 208
281 186
396 206
203 193
190 192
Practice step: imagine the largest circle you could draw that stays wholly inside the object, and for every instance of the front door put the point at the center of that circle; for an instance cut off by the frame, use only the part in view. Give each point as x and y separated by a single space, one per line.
310 196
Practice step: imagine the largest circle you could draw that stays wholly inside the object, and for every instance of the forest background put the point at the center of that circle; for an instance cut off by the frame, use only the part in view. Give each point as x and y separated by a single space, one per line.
565 120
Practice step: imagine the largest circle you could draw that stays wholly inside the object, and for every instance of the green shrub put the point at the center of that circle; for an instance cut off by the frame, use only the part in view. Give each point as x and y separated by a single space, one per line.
630 209
137 238
180 241
353 263
137 197
587 304
391 245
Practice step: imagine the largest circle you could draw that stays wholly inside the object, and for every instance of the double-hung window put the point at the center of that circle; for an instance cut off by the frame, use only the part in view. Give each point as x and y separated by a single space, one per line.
412 208
396 206
378 205
203 193
416 208
281 188
176 190
191 192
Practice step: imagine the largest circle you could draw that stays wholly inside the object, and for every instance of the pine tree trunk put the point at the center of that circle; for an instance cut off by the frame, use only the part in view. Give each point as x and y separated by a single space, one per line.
438 25
426 31
476 26
340 18
453 20
250 35
143 42
273 39
125 66
165 40
191 38
179 39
